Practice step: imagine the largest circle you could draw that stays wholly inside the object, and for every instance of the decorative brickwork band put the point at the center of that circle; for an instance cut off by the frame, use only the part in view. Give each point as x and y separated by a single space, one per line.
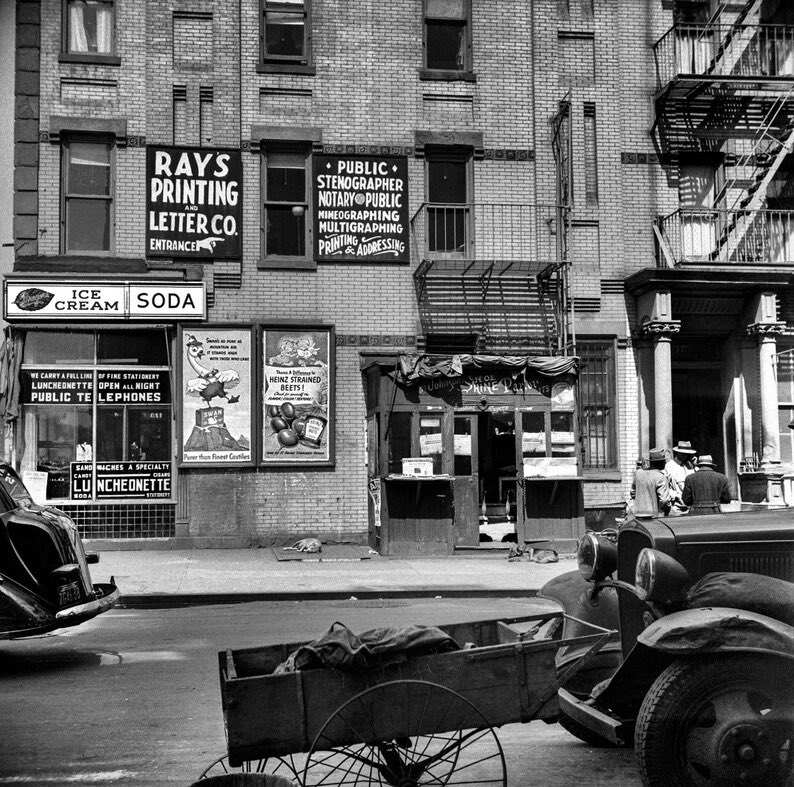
638 158
375 340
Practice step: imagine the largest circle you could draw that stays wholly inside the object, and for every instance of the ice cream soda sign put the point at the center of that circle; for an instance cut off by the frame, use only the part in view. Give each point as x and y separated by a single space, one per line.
194 202
360 208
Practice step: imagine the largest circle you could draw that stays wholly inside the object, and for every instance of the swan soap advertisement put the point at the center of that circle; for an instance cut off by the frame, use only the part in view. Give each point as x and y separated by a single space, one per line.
297 408
194 202
216 396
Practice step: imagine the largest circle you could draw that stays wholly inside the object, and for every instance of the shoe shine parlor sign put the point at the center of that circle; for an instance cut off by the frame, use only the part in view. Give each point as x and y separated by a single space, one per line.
65 300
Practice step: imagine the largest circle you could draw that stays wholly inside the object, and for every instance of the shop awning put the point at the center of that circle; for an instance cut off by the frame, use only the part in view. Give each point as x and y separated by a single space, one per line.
416 367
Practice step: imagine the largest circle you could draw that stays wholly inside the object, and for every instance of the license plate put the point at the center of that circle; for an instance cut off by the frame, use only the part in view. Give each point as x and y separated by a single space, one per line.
68 594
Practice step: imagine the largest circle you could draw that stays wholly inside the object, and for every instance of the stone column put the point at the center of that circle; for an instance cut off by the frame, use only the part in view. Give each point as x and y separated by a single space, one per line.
662 331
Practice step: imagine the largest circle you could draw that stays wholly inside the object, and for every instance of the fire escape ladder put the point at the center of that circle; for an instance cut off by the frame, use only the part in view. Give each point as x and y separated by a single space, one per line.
728 54
743 212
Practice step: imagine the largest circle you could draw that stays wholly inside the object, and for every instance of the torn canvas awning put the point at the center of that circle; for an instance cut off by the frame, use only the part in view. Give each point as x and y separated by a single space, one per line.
417 367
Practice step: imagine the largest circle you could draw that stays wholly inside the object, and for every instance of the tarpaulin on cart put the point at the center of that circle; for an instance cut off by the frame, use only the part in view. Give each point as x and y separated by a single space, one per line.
340 648
416 367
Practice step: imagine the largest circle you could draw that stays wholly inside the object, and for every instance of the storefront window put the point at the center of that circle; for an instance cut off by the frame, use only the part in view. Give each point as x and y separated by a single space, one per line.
533 437
95 430
430 439
562 437
463 446
399 434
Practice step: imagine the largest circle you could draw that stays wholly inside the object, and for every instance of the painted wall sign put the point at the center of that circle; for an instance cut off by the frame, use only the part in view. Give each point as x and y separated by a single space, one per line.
120 479
217 395
360 208
96 300
297 396
61 386
194 202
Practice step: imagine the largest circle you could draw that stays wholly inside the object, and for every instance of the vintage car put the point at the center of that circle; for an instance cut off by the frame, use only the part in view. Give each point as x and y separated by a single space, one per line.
701 677
45 583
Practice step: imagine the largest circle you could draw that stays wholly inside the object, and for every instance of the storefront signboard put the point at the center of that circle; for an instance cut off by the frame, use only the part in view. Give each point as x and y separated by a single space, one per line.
217 415
550 467
297 396
121 387
194 202
360 208
97 300
120 479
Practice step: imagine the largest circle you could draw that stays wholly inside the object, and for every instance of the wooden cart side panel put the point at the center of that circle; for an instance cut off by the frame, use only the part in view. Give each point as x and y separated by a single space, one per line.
265 716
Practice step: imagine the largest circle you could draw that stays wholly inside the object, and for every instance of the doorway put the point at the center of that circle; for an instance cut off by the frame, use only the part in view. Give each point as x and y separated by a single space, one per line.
698 405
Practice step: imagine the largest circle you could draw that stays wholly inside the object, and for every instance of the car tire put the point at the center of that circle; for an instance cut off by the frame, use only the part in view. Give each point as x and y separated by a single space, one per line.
585 734
723 720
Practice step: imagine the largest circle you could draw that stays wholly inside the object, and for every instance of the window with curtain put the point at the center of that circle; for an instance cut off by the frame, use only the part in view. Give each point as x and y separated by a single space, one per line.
447 35
597 402
285 31
87 196
785 400
286 205
89 27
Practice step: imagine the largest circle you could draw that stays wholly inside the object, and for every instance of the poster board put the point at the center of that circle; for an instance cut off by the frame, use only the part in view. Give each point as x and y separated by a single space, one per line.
297 404
217 413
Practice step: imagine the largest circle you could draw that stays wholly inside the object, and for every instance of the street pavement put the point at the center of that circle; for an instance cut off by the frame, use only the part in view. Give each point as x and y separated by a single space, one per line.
152 577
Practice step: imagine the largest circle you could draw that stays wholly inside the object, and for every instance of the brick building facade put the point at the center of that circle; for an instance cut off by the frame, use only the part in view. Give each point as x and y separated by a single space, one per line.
542 143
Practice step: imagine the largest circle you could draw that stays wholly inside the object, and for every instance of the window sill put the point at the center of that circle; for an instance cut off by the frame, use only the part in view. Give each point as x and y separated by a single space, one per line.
602 475
437 75
286 263
99 60
286 68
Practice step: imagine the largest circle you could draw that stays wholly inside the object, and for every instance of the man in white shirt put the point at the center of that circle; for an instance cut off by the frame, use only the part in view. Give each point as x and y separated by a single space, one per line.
676 470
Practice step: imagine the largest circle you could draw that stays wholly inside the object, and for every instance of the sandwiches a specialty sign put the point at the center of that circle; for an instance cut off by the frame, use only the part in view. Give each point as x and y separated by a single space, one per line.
194 202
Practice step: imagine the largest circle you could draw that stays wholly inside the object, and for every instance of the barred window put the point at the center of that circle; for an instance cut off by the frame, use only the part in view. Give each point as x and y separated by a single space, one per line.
785 398
597 401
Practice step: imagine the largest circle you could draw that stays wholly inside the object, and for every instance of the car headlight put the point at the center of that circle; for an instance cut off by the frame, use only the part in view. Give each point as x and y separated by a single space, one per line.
659 578
597 557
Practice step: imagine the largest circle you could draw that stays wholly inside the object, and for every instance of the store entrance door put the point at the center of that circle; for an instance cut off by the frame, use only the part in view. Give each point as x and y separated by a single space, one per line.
467 480
698 405
497 476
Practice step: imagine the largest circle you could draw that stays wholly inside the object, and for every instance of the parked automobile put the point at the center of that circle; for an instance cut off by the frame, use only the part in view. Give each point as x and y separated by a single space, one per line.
45 583
700 676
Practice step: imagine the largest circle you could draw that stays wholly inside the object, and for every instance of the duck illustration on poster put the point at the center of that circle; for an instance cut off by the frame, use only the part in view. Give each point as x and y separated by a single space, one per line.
214 366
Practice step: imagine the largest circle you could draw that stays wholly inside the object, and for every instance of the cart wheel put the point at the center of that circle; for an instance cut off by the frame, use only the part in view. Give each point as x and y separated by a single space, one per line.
282 766
406 733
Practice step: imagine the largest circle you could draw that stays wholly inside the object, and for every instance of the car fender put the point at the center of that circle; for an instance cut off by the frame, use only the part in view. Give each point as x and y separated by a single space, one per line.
21 612
718 630
589 604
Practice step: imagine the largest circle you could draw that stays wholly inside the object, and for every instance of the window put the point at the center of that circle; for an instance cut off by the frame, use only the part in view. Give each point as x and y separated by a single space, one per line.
597 401
448 230
92 398
447 35
285 187
89 27
590 157
87 204
285 36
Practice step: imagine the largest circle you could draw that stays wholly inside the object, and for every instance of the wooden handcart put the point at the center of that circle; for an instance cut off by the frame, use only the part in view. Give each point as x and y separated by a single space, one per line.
420 721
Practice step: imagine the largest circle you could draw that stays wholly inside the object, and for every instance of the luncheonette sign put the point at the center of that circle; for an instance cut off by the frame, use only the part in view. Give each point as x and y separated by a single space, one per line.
194 203
88 300
361 208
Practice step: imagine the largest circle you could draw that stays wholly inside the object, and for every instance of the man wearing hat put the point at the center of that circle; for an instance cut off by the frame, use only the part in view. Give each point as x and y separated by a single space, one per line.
677 469
651 488
706 489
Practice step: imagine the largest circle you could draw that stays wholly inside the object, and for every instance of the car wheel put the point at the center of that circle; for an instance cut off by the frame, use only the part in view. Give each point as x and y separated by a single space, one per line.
724 721
585 734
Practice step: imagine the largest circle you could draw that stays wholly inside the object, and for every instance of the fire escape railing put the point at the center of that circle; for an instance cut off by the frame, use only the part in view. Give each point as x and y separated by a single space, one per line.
724 51
741 237
485 232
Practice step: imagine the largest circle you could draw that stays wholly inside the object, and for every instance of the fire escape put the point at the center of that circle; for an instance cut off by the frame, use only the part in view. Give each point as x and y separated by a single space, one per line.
725 90
491 277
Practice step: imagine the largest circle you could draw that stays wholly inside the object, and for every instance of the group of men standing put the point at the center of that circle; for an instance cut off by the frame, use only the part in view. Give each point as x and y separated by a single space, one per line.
685 484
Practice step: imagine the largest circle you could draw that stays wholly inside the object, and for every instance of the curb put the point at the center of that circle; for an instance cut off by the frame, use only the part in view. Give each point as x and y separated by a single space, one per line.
171 600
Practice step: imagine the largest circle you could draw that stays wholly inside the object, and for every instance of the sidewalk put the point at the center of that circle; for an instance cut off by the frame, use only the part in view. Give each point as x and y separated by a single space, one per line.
203 576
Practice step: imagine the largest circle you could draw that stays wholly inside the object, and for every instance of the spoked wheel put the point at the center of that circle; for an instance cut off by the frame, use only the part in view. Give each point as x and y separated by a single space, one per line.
288 766
406 733
718 723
